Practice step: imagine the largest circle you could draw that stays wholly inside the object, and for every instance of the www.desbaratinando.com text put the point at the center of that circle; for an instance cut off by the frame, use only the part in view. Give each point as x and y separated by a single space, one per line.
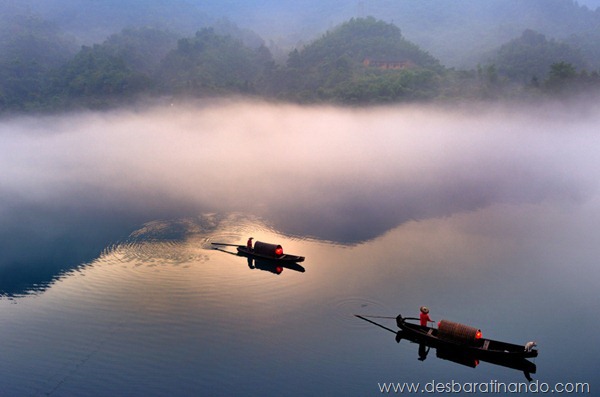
492 387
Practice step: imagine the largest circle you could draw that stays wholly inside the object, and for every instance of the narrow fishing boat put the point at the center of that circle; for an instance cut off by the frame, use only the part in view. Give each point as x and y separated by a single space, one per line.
271 252
460 353
454 335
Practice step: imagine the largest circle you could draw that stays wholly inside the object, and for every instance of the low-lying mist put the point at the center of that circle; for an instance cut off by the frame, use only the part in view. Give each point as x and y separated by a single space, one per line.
339 174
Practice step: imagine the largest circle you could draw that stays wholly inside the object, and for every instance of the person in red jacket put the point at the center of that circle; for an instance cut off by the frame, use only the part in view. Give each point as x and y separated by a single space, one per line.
249 244
424 316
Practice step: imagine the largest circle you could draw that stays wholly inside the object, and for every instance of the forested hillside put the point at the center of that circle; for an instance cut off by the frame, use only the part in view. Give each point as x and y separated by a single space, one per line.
360 61
30 48
209 64
527 58
363 60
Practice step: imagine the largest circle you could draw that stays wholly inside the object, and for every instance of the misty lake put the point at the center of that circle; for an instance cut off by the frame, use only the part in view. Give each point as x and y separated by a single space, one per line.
109 283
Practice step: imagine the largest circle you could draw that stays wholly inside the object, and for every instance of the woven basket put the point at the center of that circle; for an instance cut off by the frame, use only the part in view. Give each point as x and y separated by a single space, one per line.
457 332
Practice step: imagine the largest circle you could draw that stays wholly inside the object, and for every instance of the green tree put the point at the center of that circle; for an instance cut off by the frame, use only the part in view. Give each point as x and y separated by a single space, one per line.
210 64
29 48
142 49
406 85
98 78
562 71
562 76
528 57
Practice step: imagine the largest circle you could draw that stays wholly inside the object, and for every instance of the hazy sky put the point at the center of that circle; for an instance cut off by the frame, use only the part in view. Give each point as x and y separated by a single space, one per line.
592 4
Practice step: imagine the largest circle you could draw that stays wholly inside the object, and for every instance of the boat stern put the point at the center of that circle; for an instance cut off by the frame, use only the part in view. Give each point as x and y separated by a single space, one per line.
399 320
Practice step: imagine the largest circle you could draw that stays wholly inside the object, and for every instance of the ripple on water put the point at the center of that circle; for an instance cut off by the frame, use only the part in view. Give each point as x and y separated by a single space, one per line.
187 243
156 253
176 258
344 311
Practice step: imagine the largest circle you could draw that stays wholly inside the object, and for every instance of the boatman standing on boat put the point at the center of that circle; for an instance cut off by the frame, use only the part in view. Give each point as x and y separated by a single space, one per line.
424 316
249 244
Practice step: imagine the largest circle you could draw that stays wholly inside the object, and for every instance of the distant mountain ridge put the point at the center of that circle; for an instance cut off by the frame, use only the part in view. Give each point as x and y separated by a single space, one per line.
456 32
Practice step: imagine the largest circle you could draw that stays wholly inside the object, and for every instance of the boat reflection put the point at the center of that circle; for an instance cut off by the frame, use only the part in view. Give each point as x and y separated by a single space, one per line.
272 266
466 358
457 355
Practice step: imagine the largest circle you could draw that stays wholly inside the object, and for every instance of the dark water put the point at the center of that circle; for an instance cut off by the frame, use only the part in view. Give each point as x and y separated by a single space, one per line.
111 287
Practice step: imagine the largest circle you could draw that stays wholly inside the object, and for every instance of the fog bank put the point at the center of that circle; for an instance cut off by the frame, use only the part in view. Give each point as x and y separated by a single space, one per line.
73 184
326 172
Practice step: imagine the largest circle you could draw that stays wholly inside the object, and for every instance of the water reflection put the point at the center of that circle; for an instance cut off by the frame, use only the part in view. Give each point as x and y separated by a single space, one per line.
468 358
490 214
35 261
75 184
39 244
162 313
272 266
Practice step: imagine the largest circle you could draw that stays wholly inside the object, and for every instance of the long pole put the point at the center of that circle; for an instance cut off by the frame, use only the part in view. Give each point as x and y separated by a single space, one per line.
373 322
229 245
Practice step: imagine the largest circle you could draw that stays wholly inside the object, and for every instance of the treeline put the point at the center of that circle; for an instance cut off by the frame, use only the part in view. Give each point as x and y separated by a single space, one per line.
362 61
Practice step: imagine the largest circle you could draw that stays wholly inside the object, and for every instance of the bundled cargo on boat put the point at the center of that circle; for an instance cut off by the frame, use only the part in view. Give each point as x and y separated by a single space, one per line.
274 250
458 332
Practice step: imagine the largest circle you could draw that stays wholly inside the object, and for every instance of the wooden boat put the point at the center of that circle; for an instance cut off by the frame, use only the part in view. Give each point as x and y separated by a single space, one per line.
244 251
457 353
266 251
458 336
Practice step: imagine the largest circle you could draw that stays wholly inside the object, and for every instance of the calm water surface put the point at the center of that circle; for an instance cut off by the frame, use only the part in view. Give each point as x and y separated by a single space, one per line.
114 300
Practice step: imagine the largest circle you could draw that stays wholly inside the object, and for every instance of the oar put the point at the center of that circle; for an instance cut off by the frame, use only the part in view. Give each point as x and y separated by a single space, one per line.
373 322
225 251
413 318
227 244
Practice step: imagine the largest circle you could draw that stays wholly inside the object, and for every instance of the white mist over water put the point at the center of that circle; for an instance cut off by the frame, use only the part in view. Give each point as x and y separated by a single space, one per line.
336 173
